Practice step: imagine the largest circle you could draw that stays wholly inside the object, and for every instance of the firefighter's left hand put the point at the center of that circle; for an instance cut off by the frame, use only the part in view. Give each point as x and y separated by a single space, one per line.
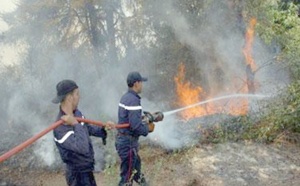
104 136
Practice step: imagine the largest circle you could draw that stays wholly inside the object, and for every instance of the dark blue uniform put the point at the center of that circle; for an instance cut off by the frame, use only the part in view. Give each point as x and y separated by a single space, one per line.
130 111
76 150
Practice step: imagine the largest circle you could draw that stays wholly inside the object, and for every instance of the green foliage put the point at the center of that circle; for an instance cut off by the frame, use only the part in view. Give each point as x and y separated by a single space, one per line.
279 24
281 121
234 128
288 114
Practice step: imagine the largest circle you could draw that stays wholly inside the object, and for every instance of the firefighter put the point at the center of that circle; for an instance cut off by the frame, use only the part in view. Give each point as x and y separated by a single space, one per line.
127 145
72 138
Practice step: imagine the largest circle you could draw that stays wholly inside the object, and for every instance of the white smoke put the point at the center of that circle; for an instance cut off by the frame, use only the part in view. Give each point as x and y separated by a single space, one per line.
44 150
222 42
168 135
216 44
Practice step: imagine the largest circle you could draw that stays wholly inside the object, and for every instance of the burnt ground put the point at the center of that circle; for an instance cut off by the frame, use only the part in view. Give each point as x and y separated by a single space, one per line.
226 164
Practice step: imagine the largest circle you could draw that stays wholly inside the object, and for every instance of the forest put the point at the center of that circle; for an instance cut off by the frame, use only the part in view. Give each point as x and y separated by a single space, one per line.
226 74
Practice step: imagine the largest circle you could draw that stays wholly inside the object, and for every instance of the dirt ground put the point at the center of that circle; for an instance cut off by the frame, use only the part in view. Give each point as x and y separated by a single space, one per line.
228 164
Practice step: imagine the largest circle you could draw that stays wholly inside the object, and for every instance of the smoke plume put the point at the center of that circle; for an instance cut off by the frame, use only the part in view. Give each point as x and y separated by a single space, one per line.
27 89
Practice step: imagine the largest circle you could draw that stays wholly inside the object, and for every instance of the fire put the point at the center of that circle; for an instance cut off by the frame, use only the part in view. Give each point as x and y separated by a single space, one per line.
247 51
187 94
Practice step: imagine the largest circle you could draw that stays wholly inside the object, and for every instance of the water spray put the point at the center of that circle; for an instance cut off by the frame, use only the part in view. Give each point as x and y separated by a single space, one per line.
215 99
154 117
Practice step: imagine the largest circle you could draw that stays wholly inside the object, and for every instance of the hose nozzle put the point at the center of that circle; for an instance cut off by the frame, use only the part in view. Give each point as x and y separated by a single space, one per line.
154 117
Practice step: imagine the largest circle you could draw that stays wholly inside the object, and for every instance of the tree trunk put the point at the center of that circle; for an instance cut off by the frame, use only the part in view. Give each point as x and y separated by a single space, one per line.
111 33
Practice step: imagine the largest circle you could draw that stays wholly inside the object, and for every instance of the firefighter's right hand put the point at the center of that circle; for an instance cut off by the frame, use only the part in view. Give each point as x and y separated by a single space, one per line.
147 117
151 127
109 125
69 119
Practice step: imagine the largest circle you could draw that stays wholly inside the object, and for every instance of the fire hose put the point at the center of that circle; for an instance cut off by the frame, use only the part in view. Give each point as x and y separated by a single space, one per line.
155 117
51 127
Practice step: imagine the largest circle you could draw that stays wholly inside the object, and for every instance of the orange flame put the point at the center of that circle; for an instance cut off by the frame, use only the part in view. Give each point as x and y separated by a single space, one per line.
247 51
188 94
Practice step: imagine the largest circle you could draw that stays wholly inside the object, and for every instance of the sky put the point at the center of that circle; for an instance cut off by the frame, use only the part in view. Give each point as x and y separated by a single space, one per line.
7 53
6 6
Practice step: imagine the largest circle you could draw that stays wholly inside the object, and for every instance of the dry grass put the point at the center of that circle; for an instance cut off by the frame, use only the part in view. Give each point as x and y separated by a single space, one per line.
288 138
226 164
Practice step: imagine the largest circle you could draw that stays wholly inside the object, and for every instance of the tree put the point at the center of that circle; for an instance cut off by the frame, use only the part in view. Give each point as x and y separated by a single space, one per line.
85 26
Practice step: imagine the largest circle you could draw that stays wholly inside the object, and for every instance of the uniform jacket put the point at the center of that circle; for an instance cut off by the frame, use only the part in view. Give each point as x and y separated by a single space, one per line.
74 144
130 111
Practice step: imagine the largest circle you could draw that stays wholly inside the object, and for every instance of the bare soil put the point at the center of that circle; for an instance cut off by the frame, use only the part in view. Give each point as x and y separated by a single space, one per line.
228 164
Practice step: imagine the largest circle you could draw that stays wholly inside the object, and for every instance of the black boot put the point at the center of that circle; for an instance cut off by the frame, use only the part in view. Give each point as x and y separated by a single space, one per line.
142 181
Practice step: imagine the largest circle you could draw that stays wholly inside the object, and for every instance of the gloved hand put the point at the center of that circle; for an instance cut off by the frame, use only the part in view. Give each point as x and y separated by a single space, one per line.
151 127
147 117
104 136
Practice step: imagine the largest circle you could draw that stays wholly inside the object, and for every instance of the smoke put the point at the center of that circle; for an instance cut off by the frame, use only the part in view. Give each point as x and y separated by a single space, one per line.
167 134
216 44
